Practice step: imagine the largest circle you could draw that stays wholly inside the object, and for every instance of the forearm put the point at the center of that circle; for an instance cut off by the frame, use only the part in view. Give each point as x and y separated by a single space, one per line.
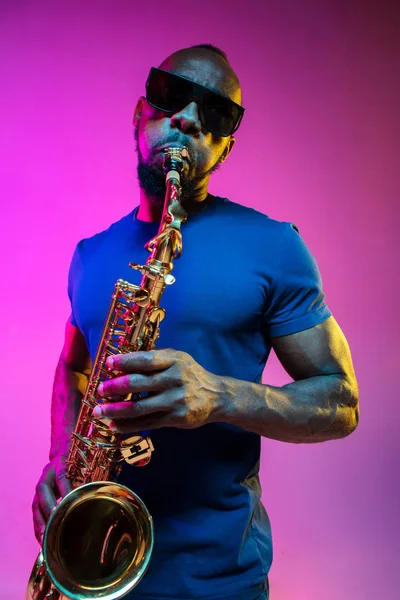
310 410
68 389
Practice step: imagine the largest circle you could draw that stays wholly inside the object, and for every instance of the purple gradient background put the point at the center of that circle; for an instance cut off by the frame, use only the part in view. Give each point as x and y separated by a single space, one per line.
318 146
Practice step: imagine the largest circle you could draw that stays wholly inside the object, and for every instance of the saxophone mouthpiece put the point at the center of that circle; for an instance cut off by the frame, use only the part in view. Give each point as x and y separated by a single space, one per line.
175 158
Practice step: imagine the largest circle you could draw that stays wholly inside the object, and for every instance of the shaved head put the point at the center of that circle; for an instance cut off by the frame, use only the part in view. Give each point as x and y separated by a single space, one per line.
213 62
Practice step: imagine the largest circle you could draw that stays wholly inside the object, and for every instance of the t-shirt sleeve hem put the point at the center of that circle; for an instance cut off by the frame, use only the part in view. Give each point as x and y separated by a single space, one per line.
300 324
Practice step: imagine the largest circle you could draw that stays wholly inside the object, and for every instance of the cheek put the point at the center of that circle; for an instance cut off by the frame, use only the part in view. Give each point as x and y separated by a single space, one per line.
212 155
150 133
146 135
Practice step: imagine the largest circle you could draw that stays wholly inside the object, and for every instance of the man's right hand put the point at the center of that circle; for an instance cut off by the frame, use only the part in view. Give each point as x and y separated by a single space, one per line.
51 486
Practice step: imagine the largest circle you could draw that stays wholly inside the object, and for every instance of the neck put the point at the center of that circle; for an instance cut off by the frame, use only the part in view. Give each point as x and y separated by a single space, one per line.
150 208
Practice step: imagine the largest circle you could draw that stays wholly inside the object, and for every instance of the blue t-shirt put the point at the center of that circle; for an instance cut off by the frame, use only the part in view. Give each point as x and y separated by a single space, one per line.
242 279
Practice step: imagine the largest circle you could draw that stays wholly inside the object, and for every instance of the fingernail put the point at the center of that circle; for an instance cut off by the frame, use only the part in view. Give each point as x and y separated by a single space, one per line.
97 412
110 362
100 388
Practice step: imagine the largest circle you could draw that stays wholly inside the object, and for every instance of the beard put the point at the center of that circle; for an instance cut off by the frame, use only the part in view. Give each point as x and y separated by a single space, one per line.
152 179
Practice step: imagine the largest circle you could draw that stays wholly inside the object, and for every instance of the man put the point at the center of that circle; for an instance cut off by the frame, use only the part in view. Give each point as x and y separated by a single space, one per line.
244 283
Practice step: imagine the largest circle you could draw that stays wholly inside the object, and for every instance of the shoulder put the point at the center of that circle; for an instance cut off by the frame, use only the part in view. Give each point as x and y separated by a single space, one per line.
276 243
106 237
254 222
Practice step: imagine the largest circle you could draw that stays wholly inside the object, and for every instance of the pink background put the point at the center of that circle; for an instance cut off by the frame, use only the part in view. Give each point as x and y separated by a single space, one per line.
318 146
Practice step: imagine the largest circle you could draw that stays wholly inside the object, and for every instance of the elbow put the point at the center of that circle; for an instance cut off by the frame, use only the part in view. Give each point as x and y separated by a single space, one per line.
351 421
350 412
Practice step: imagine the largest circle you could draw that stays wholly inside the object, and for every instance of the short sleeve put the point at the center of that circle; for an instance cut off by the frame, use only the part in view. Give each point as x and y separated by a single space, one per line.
297 301
73 276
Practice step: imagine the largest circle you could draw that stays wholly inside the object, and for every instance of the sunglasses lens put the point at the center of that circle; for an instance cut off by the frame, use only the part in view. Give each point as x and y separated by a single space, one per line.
166 92
219 114
170 93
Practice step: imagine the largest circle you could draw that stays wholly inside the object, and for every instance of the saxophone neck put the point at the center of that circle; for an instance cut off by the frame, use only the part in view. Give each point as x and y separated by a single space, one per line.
168 241
174 214
175 160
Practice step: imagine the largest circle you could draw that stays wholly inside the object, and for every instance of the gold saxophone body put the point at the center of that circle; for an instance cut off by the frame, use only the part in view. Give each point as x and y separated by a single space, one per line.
99 538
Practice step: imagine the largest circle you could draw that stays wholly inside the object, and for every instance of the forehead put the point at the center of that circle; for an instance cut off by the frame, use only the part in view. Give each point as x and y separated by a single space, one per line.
205 71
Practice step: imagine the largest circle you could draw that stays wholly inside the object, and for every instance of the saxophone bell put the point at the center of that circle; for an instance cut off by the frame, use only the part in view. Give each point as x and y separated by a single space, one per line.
98 542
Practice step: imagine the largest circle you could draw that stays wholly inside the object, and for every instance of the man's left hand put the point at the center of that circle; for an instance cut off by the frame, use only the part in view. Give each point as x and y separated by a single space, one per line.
181 393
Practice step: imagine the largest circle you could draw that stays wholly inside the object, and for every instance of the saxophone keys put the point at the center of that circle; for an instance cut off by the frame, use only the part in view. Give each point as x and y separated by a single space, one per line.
169 279
141 297
156 315
137 450
135 266
143 269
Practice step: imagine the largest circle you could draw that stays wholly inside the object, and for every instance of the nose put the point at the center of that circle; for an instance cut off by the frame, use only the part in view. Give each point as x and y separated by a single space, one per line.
187 119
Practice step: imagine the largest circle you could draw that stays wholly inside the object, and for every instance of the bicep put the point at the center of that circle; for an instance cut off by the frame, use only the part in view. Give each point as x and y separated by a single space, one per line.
320 350
75 352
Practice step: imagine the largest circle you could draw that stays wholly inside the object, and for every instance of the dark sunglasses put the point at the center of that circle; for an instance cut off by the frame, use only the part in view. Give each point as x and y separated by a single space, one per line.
170 93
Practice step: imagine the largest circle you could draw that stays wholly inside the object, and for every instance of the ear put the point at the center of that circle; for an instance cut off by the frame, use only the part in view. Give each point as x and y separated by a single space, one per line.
228 149
138 110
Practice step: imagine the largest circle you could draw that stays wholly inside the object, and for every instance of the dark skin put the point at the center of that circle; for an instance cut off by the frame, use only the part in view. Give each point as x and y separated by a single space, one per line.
320 404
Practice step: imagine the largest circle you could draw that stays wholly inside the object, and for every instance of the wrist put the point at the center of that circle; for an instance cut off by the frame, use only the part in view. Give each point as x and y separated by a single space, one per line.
229 399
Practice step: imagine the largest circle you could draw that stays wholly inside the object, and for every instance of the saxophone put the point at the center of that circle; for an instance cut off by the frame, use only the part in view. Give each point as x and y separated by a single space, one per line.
99 538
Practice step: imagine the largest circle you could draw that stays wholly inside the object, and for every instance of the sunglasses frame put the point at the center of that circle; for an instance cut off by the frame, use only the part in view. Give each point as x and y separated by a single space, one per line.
197 92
